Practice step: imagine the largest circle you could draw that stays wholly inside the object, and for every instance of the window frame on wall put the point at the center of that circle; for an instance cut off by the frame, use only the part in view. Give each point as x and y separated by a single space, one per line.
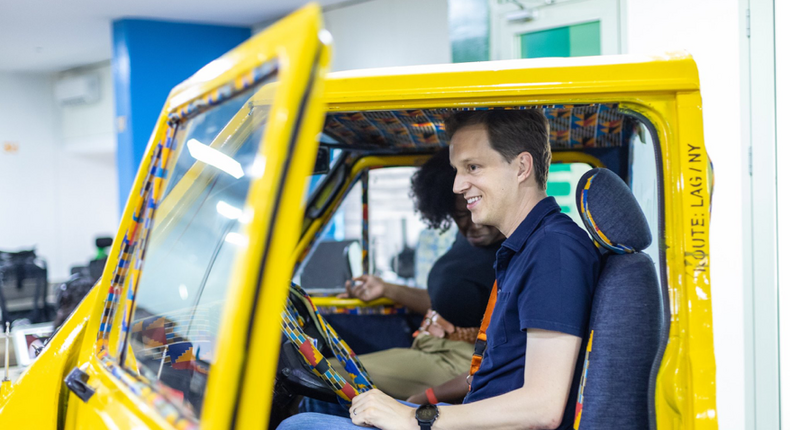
506 36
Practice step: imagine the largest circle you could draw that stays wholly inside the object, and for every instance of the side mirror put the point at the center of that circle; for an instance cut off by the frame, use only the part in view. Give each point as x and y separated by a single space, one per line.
103 242
321 161
353 254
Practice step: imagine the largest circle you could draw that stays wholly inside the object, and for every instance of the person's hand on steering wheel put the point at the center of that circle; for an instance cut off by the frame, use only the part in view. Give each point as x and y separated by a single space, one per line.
376 409
365 288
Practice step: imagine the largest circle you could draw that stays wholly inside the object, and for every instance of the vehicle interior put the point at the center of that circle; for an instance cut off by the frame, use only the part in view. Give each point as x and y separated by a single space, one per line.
366 144
364 158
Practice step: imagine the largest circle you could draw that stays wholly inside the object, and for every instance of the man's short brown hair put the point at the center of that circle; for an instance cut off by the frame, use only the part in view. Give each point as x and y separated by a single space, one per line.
511 132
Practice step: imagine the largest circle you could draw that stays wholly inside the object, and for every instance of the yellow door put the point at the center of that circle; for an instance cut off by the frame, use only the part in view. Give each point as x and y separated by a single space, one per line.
175 338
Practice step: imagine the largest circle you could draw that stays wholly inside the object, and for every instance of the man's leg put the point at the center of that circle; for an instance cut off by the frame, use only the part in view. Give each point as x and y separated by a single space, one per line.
310 420
329 408
401 372
317 421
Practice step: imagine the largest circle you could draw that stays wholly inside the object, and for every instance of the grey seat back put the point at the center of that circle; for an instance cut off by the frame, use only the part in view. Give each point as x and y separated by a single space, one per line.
627 318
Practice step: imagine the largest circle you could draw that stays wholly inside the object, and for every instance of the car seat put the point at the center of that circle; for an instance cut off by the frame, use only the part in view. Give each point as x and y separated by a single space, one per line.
629 320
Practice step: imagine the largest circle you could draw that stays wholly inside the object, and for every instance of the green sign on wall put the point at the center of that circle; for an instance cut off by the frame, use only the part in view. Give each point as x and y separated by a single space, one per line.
570 41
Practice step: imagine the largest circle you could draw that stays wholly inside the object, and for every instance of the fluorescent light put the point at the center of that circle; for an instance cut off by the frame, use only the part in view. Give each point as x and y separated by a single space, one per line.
214 158
236 239
228 211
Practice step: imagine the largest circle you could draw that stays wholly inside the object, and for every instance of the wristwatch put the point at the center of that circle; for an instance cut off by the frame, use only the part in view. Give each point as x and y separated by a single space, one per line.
426 415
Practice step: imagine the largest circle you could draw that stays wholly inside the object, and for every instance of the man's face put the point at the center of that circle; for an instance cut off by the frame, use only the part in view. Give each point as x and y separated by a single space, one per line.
483 177
476 234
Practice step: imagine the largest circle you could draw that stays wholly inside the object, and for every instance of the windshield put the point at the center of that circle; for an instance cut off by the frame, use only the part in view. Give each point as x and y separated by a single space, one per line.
196 237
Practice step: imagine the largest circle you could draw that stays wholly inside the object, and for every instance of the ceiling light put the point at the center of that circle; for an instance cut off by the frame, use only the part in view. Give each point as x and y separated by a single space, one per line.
228 211
211 156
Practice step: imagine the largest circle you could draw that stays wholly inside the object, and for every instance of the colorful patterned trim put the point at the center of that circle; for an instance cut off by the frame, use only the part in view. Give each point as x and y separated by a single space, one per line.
571 126
599 235
293 328
178 417
182 339
133 246
363 310
263 72
580 399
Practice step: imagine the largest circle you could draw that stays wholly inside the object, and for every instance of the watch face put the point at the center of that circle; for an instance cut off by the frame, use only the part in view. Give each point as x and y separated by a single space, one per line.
427 413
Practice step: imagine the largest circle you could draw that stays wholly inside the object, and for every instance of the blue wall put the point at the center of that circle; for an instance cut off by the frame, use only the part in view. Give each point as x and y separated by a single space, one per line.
149 59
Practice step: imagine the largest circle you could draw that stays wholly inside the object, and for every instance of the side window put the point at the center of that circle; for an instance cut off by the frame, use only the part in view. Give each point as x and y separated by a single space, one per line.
316 179
402 248
561 185
394 232
644 185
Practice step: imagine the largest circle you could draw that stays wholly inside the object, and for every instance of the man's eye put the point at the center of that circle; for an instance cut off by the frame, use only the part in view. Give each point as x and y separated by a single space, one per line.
472 167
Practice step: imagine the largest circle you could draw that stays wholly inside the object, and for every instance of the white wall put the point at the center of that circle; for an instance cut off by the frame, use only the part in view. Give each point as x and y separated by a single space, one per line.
709 30
782 46
384 33
88 173
28 196
58 190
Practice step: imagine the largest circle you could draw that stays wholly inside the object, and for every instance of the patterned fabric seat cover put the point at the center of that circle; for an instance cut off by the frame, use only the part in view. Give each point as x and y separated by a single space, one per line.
627 319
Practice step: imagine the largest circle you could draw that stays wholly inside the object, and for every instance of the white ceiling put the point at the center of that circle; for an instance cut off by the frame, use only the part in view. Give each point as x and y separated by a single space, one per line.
54 35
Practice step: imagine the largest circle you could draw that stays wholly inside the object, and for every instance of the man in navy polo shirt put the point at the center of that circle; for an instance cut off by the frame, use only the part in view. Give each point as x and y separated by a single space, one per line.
546 269
546 272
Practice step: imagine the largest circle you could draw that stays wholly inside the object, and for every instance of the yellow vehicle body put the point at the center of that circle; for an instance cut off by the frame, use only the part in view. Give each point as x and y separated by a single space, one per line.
664 90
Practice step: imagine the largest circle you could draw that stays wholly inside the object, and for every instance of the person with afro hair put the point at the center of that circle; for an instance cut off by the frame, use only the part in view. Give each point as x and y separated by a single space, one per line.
454 302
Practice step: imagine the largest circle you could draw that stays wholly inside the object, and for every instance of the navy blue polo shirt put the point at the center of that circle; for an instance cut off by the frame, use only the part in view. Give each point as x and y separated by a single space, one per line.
546 272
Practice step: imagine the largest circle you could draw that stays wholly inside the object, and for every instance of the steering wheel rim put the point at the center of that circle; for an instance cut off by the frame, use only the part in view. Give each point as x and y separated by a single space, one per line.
292 325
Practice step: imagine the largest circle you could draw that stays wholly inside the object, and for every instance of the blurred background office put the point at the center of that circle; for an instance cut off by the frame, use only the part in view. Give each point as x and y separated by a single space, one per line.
82 83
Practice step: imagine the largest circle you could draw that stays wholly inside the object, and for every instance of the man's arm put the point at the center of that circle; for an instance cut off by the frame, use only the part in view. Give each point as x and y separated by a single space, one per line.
539 404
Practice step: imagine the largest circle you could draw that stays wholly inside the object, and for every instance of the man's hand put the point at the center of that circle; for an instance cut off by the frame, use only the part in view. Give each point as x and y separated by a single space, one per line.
365 288
376 409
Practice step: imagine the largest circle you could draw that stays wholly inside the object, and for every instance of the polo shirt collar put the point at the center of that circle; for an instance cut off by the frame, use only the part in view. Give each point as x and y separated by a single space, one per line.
524 230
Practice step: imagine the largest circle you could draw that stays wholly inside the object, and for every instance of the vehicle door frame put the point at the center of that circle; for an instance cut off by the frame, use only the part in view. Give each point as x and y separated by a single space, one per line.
300 47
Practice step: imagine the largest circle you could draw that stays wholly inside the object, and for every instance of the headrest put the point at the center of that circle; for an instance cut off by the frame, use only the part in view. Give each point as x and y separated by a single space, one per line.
611 213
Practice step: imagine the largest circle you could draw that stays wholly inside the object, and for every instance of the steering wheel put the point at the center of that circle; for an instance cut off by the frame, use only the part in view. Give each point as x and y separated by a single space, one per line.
303 369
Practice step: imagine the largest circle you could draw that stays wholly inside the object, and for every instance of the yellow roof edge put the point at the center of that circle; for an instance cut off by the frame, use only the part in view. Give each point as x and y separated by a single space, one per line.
671 71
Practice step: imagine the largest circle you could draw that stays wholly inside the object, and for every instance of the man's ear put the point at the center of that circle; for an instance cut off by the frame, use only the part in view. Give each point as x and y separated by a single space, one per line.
525 166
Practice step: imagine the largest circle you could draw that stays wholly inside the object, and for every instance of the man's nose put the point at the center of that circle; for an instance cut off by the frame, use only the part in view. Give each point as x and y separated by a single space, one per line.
459 184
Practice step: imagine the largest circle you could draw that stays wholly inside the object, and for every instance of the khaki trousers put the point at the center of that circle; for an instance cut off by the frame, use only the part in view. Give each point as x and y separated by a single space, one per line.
401 372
